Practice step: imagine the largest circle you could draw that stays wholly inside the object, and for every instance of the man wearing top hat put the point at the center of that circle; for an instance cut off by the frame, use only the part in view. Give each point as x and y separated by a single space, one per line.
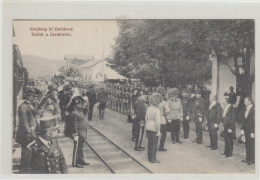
47 157
79 131
26 128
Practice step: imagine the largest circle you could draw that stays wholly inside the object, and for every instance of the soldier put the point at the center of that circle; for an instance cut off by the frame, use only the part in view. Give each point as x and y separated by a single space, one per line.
92 101
102 102
47 157
86 102
140 110
79 131
248 129
198 117
213 117
186 115
26 128
64 97
175 115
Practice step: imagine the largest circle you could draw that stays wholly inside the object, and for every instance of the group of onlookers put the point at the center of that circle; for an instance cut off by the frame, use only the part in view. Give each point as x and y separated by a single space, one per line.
42 114
154 113
164 111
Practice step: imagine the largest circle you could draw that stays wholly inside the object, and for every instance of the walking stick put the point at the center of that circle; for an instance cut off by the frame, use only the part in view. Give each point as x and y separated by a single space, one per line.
75 155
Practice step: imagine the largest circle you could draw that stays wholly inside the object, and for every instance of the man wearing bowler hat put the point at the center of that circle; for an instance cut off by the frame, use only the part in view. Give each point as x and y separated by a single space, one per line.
47 157
79 131
26 128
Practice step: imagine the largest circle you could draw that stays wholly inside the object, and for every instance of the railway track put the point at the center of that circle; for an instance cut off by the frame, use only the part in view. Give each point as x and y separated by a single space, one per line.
117 160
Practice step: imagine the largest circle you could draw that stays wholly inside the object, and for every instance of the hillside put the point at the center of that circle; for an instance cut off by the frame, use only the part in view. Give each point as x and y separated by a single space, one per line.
39 66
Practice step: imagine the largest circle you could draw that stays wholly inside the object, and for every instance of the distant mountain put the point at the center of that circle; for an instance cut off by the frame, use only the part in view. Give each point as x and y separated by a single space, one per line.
39 66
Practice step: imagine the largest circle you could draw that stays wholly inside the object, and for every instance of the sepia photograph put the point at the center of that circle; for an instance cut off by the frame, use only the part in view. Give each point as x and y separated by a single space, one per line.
134 96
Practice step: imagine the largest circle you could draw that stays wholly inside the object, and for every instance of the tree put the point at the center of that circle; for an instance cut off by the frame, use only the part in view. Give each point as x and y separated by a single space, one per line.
72 71
173 52
234 39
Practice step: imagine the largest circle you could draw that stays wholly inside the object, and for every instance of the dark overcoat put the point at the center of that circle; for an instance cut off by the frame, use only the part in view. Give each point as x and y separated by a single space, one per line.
27 123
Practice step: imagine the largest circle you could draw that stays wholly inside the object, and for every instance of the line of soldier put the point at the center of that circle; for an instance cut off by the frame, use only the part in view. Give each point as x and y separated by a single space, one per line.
121 97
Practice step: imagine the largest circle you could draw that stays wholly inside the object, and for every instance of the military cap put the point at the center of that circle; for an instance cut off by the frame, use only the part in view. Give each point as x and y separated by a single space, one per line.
77 100
67 87
30 91
48 122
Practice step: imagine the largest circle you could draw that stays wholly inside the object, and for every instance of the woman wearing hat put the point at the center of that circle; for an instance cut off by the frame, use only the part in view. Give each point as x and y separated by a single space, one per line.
175 115
152 126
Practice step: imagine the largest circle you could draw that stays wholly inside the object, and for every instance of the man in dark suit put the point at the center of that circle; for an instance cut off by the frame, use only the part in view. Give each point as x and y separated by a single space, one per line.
92 99
213 116
248 129
26 131
229 120
79 131
47 157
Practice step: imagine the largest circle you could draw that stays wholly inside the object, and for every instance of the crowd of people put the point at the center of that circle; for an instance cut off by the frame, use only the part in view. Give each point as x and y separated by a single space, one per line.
154 111
157 111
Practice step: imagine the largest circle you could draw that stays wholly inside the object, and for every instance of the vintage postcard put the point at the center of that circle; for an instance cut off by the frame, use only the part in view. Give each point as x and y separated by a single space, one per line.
134 96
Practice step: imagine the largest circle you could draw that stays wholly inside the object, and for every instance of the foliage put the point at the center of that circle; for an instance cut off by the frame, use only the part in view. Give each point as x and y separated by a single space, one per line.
173 52
72 71
160 52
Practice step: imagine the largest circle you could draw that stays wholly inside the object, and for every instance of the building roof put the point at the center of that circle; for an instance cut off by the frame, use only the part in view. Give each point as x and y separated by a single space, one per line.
91 63
108 72
78 60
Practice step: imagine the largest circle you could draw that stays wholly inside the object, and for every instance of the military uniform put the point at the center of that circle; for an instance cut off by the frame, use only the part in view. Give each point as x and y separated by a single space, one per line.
47 158
186 117
198 117
102 99
79 128
92 100
26 133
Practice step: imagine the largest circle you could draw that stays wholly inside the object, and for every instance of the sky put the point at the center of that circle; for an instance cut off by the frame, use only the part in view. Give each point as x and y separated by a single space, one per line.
86 38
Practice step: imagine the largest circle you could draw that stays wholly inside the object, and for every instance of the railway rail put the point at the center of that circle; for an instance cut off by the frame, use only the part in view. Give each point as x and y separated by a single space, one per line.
116 159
